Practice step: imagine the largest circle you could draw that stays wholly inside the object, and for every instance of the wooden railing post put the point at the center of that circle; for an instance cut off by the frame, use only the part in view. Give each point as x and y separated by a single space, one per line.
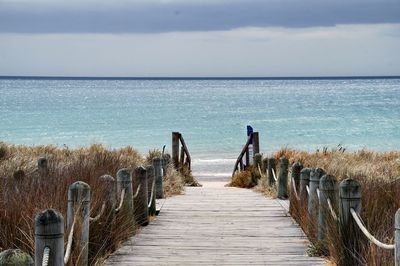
256 143
79 198
158 173
304 182
166 160
15 257
175 149
141 201
124 181
49 232
43 170
151 195
283 178
264 165
296 168
397 238
110 190
271 165
349 198
315 176
328 190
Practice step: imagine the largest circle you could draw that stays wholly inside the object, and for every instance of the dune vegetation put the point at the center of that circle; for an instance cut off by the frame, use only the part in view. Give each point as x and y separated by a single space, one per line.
379 176
24 192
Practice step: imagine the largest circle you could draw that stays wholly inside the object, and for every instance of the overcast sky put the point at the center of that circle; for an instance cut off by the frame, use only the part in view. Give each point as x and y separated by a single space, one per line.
199 38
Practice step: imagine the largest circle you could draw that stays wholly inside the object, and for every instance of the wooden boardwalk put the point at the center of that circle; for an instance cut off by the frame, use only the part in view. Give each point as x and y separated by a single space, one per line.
216 225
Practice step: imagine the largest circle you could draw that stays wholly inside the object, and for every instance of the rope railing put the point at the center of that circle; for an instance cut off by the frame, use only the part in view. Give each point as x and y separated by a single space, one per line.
121 201
318 193
365 231
308 190
46 255
331 210
274 175
55 245
70 238
295 189
152 193
137 191
97 217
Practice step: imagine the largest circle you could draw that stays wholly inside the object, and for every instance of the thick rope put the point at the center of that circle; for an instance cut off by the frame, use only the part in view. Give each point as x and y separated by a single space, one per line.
70 238
137 191
152 193
46 255
318 195
273 174
121 201
333 213
368 234
294 190
100 213
308 189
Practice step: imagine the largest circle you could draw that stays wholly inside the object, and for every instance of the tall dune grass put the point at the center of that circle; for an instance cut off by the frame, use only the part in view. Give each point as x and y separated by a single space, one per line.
379 175
24 193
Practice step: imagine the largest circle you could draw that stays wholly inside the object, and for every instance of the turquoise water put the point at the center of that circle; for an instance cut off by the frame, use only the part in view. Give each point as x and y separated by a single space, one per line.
211 114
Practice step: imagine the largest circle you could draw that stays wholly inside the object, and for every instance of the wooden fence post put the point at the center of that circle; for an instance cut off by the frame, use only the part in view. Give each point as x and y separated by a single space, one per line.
349 198
43 170
264 167
397 238
151 195
175 149
158 173
328 190
315 176
124 181
271 165
141 201
283 178
256 143
109 188
296 168
15 257
49 232
304 182
79 195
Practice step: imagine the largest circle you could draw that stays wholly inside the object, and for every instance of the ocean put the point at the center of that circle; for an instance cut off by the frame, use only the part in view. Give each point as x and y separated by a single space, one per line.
212 114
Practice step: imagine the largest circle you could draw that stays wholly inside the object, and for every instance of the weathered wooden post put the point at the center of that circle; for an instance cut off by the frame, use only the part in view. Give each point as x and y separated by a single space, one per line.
315 175
264 165
15 257
296 168
349 198
43 170
109 188
49 233
271 165
141 201
397 238
79 199
257 168
166 160
124 182
304 182
158 173
283 178
328 190
247 159
182 157
175 149
256 143
151 189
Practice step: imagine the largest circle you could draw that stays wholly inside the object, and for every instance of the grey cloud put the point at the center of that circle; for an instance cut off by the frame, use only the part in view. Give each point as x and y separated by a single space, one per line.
153 17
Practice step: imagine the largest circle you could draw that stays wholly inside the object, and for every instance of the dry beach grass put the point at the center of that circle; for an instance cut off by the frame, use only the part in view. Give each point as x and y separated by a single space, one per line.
379 175
24 193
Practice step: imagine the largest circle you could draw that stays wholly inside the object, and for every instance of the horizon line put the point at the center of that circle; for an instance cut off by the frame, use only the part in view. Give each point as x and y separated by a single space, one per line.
196 78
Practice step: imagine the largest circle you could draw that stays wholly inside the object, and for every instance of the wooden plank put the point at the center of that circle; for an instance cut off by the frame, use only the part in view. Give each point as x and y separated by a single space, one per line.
216 225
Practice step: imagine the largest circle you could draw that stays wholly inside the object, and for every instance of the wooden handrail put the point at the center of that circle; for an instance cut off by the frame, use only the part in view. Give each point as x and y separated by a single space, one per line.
242 153
185 149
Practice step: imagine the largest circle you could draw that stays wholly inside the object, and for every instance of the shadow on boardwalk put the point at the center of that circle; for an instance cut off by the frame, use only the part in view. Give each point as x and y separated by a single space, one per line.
217 225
